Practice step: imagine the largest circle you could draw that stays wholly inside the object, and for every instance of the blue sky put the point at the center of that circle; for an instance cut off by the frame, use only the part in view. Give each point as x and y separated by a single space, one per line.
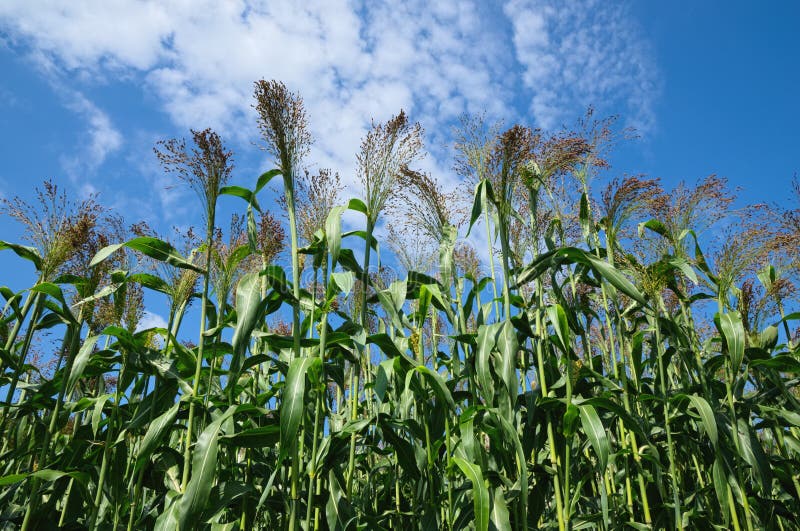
88 87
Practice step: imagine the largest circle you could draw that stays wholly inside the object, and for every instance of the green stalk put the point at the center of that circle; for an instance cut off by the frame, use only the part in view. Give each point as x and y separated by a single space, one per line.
44 454
173 325
39 300
491 251
26 306
354 390
551 440
670 449
106 455
323 345
506 253
288 184
533 197
622 376
63 517
187 451
731 375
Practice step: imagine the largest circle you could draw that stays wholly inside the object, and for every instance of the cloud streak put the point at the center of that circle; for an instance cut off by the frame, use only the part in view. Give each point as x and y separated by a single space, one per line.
583 53
527 60
101 139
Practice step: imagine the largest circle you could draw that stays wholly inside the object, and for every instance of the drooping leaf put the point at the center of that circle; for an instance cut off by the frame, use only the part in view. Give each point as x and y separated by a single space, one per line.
195 498
333 232
706 415
596 433
152 247
480 494
293 403
155 434
338 510
248 310
732 330
23 251
80 362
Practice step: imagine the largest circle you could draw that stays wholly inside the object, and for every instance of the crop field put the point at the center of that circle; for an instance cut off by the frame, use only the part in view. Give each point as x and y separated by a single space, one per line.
542 346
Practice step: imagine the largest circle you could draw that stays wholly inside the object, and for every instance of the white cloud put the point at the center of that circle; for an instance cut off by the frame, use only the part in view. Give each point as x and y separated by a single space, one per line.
100 139
582 53
351 60
151 320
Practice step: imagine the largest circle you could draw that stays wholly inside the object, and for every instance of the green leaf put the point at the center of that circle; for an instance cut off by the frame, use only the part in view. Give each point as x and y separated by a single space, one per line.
337 510
721 486
483 193
12 478
204 463
655 226
262 437
782 362
23 251
768 337
293 403
222 498
751 451
392 300
583 215
54 291
97 411
594 429
344 281
358 205
264 179
150 281
248 311
732 329
571 415
240 191
480 494
333 232
617 279
152 247
45 474
685 268
437 384
155 434
487 340
707 416
252 230
558 318
80 362
508 346
446 247
402 448
499 517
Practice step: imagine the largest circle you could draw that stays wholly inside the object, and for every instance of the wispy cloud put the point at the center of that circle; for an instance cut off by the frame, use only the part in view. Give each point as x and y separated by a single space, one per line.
581 53
151 320
101 139
351 61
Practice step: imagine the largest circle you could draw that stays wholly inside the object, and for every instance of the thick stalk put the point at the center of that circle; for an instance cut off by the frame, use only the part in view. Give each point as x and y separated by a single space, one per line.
491 254
44 455
98 498
551 440
172 330
323 339
354 390
670 450
296 456
187 451
26 306
731 376
39 300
